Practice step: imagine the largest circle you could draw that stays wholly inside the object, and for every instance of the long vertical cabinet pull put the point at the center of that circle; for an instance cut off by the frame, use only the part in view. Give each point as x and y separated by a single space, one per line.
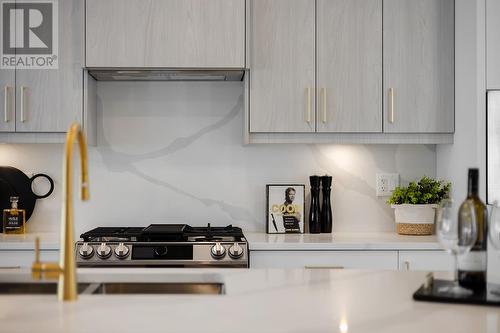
23 118
6 104
308 106
391 105
323 94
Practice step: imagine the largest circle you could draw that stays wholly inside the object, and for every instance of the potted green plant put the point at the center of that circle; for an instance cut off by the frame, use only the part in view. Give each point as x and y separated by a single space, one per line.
415 205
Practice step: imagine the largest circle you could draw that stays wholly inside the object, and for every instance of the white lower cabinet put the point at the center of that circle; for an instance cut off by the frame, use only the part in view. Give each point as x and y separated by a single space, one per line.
24 258
425 261
414 260
324 259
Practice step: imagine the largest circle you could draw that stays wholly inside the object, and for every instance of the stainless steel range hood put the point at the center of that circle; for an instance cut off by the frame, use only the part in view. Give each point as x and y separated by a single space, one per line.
166 75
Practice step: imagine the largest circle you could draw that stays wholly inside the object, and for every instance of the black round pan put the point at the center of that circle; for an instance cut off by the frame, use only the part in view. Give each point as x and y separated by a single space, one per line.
15 183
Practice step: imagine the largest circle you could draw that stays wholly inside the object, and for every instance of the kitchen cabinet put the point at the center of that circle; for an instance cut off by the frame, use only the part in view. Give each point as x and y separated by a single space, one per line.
414 260
349 65
493 44
418 66
383 73
282 61
425 261
165 33
49 100
42 103
325 259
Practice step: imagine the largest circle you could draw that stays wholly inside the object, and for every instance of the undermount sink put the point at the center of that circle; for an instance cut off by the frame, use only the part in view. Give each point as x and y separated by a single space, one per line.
114 288
37 288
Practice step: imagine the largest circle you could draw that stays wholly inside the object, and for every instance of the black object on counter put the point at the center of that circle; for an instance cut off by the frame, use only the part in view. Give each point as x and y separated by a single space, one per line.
488 296
15 183
314 212
326 208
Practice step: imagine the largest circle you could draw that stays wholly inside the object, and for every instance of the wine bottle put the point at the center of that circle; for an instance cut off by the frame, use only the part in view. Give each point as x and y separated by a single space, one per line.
472 265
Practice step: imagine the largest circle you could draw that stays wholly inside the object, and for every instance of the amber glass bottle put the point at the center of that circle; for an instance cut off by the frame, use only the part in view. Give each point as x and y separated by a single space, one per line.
14 219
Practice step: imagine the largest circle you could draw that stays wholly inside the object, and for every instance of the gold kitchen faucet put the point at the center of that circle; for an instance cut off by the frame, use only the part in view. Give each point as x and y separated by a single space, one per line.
65 270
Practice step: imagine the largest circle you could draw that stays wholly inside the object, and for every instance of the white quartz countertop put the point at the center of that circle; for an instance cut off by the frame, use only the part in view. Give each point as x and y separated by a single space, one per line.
341 241
254 301
263 241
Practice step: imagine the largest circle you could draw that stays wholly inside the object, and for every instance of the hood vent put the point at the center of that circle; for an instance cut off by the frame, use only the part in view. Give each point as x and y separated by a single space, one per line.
166 75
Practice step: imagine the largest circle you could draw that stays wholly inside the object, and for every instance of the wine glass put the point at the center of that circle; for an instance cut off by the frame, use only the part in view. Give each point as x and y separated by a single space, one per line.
494 226
494 232
457 233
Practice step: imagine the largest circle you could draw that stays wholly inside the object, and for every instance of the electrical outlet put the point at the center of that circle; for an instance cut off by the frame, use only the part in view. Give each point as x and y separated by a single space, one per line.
386 183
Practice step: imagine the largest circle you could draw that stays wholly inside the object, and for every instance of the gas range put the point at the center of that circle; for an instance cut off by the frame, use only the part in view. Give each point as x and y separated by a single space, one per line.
163 245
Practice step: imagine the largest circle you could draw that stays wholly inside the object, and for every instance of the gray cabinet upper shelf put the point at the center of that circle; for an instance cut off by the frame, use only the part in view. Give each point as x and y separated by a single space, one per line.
165 34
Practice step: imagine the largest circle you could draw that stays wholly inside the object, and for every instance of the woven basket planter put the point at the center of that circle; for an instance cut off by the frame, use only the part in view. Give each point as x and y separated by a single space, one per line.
415 220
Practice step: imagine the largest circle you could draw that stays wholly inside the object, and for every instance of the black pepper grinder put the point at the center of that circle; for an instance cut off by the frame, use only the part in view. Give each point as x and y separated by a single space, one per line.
326 208
314 213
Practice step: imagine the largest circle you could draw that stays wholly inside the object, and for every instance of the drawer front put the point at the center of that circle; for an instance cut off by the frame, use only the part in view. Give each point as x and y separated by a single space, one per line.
425 261
25 258
324 259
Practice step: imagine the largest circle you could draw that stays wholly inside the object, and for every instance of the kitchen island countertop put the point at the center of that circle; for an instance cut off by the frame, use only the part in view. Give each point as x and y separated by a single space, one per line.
254 301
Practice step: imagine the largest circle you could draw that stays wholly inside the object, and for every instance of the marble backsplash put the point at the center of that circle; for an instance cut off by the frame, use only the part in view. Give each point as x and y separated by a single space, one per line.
173 152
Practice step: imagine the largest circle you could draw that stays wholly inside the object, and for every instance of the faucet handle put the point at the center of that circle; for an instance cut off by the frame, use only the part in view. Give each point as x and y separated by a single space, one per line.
51 270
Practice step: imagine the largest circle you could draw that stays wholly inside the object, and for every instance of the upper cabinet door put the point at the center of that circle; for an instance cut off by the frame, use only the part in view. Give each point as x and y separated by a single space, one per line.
282 65
419 66
7 100
349 65
165 33
49 100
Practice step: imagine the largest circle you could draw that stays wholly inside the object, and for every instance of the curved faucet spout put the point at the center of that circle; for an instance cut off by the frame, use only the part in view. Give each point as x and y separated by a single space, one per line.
67 279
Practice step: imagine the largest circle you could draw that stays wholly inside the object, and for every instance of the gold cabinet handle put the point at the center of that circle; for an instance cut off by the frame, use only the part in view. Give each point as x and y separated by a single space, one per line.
391 105
323 93
308 106
6 104
407 265
23 118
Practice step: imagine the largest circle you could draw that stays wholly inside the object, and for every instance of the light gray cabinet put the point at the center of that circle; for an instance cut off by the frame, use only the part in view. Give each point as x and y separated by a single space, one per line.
165 33
349 65
7 100
324 259
418 66
49 100
493 44
282 62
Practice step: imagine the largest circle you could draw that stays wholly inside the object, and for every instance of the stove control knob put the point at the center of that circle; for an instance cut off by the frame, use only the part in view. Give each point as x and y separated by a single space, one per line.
86 251
235 251
218 251
121 251
104 251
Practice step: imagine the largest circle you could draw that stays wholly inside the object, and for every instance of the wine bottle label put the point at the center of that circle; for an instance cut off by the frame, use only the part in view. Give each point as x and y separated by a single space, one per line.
474 261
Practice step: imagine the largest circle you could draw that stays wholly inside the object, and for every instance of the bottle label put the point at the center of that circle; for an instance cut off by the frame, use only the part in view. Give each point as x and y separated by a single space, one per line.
474 261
